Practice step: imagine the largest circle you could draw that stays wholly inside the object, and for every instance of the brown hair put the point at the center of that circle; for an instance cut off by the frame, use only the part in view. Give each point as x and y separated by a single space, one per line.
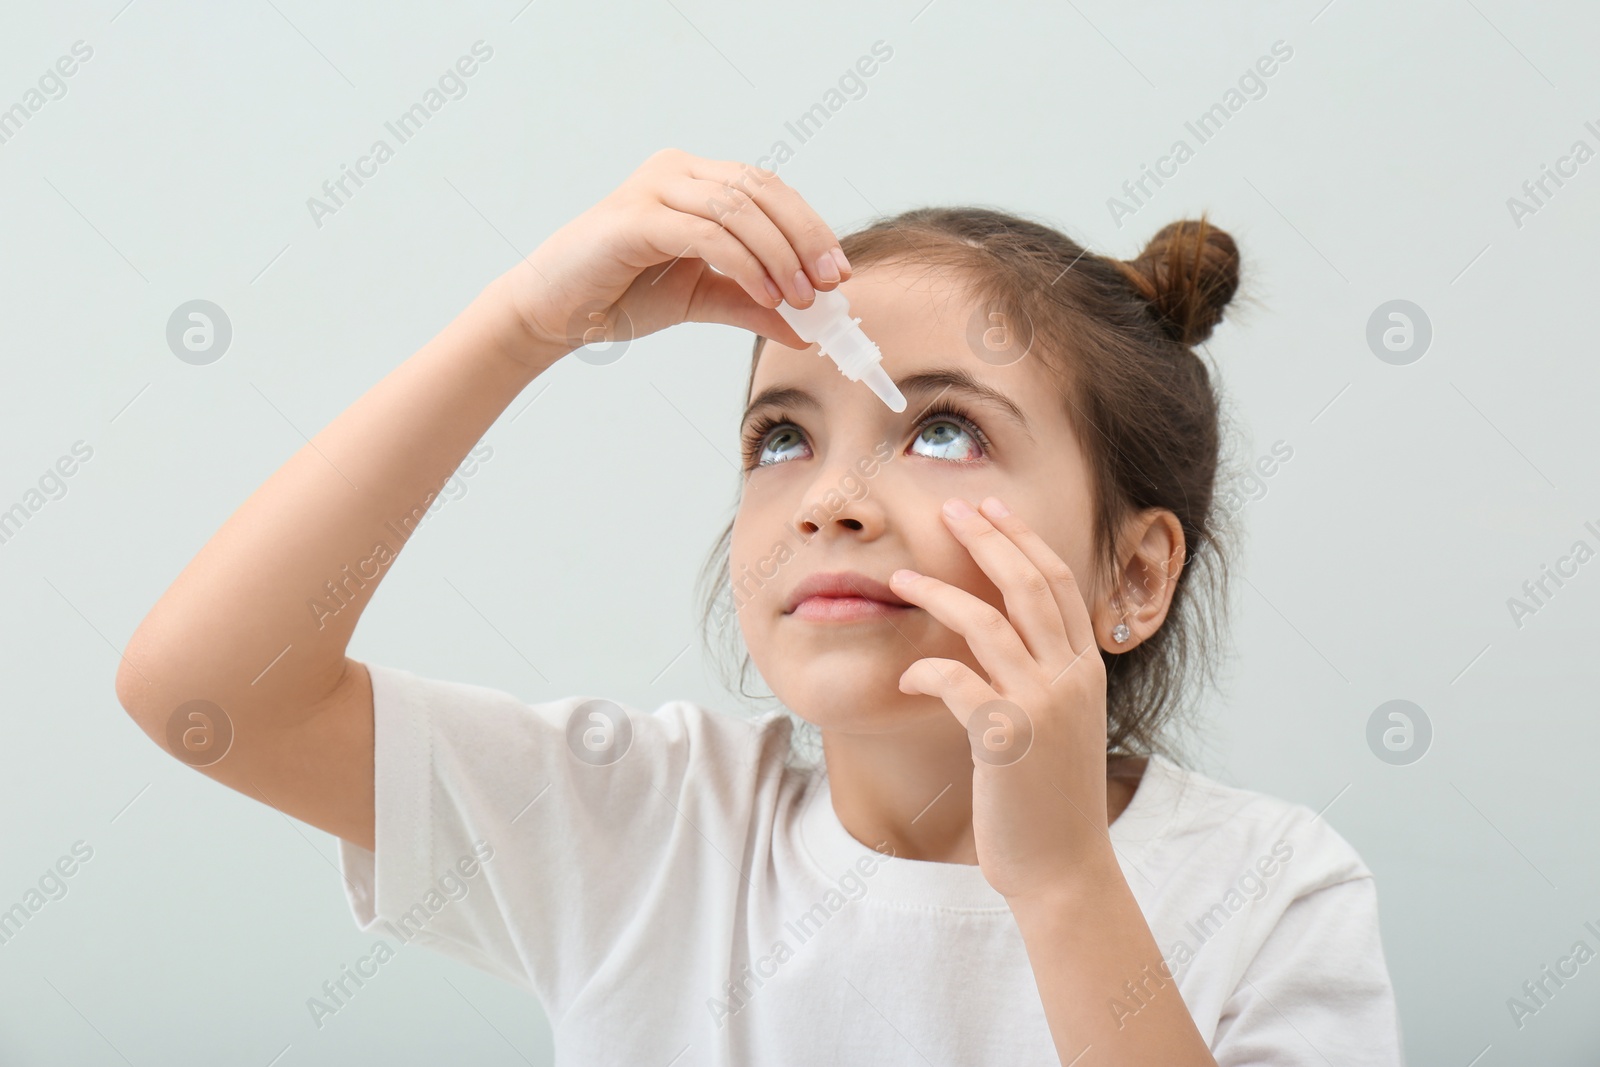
1120 334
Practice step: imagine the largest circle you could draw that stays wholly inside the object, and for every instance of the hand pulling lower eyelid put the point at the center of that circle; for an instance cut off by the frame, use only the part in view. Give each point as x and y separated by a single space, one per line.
828 325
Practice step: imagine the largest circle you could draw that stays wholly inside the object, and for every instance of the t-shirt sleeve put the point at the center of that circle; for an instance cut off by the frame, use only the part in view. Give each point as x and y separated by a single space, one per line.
1318 990
522 838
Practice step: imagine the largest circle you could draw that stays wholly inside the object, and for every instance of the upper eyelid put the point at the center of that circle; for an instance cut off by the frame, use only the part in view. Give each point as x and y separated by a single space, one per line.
992 401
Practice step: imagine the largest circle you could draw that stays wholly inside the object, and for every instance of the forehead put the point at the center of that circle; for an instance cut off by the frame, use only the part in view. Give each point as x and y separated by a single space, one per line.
922 319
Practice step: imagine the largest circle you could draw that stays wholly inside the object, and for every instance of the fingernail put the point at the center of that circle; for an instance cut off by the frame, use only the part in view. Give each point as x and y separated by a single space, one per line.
772 288
903 575
957 508
844 264
993 506
802 285
827 267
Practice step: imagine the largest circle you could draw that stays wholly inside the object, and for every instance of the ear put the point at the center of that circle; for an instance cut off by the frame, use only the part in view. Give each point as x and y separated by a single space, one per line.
1152 561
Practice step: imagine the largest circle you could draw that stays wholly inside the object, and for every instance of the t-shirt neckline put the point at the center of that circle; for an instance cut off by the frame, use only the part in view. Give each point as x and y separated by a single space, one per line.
962 886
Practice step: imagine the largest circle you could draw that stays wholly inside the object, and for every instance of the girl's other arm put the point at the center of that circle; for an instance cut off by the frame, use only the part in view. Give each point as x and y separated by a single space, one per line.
302 727
239 627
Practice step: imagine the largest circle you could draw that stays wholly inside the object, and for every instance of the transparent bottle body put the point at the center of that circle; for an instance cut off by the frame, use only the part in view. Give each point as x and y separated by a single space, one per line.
828 325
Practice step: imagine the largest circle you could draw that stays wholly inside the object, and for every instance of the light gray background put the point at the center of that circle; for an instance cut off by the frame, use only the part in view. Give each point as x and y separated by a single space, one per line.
1379 563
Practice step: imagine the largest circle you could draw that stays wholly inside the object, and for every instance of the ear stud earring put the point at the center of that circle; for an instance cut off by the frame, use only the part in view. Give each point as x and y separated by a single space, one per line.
1120 632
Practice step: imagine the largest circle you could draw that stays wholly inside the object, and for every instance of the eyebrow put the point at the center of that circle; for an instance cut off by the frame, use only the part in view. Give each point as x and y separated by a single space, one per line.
942 381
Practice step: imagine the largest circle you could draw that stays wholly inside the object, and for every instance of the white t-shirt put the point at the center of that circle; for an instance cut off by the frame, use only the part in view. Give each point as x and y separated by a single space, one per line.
627 896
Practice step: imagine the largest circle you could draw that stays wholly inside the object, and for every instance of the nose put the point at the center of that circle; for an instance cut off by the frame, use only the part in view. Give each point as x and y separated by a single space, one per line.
839 498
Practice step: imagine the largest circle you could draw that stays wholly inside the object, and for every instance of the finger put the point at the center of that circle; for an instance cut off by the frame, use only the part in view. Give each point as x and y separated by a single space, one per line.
680 235
717 298
952 681
1074 611
1031 602
1000 731
809 236
990 635
737 212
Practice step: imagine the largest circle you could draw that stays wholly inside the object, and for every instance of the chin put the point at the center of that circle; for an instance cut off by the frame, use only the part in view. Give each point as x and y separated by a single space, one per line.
865 701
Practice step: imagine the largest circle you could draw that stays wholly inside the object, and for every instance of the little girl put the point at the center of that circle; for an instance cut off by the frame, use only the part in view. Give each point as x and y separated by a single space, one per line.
982 606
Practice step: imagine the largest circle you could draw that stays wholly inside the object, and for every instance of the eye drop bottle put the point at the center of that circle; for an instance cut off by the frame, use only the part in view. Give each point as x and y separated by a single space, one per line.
827 324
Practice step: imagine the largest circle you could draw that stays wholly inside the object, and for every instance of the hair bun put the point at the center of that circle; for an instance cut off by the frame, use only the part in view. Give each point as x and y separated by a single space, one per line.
1188 272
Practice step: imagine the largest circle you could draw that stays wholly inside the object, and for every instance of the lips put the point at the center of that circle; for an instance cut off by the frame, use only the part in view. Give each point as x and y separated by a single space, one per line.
842 585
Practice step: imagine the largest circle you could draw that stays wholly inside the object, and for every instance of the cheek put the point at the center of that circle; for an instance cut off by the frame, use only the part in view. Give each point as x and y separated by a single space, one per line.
963 572
937 552
746 535
756 564
738 549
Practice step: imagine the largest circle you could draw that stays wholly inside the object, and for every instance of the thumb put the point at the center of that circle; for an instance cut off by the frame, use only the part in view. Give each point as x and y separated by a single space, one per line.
719 298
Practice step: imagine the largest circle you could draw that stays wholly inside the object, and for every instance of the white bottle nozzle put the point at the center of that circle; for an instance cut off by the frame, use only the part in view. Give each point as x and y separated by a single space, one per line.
878 379
828 325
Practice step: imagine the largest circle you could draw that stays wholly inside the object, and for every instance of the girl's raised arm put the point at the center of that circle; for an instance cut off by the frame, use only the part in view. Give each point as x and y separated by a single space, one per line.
236 674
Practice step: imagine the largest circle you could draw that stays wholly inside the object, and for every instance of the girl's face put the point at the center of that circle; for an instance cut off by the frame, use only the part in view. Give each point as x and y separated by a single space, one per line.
839 483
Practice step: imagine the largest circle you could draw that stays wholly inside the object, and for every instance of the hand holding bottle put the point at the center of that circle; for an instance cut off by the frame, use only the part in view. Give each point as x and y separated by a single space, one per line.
683 239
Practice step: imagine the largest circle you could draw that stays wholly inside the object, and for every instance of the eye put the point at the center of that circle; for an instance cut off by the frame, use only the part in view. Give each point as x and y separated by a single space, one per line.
950 435
769 441
946 432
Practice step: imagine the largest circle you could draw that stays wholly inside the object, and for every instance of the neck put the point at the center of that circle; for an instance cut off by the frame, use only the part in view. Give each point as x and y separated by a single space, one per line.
910 791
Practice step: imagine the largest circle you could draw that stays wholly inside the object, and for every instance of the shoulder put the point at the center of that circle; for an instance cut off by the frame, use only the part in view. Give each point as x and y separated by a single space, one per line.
596 730
1223 835
1264 913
